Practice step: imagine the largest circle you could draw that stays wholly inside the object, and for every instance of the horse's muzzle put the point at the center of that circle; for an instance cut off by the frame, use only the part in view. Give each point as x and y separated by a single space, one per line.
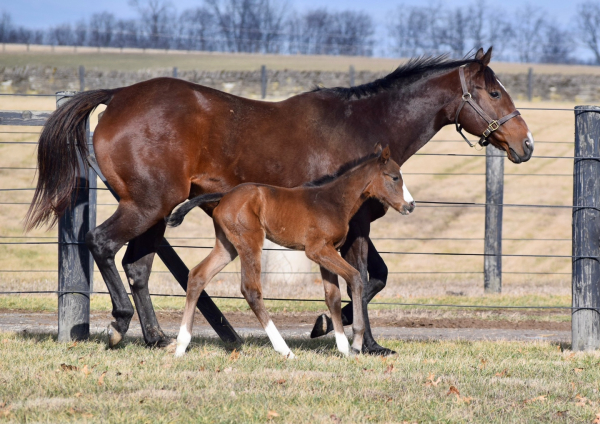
527 152
408 208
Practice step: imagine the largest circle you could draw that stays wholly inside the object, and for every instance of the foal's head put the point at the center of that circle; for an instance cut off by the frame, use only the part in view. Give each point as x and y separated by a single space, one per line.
388 185
486 91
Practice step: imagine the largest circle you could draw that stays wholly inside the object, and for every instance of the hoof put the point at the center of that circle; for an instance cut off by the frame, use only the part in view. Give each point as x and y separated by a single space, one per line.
377 350
163 343
172 348
114 336
354 352
290 355
323 325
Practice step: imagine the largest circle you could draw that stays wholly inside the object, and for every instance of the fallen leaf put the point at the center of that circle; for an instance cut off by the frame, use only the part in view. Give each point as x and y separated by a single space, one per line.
202 368
4 340
597 419
72 346
561 413
227 370
280 381
101 379
503 373
335 419
568 358
66 367
217 369
5 412
271 415
577 370
454 390
466 400
483 364
536 399
581 401
85 370
142 362
235 355
431 381
77 394
389 369
572 385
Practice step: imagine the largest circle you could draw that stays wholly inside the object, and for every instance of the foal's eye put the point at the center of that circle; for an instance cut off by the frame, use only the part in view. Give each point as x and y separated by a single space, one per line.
495 94
395 178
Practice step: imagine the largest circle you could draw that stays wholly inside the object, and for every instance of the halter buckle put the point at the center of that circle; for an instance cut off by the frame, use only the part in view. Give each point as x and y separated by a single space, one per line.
493 126
466 97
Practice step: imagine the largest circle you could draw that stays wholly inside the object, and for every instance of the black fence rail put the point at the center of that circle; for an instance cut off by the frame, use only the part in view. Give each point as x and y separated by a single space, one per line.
76 271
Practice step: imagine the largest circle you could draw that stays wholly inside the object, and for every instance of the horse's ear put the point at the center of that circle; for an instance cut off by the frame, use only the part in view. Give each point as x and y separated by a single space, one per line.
385 155
487 57
479 54
378 149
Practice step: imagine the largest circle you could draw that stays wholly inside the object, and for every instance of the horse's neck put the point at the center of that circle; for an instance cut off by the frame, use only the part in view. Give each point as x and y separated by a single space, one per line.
347 192
414 114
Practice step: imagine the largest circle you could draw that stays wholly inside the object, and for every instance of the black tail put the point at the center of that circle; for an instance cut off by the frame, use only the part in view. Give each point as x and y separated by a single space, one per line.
61 141
176 218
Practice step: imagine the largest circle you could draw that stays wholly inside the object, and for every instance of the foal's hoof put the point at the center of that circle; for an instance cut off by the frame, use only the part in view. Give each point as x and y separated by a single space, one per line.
323 325
114 336
377 350
354 352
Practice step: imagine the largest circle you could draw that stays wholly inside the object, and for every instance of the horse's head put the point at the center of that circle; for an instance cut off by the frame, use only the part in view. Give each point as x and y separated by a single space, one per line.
487 110
388 185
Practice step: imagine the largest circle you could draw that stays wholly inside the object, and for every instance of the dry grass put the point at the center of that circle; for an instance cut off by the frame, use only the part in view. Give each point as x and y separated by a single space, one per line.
455 382
426 222
135 59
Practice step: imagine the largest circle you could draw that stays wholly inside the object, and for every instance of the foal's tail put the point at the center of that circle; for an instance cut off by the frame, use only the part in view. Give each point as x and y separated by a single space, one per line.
176 218
61 142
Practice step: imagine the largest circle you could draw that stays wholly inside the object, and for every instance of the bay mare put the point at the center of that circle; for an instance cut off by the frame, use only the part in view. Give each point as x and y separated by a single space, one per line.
165 140
313 218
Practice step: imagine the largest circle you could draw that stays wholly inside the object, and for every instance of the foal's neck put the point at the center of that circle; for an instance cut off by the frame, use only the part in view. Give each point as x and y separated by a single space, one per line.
347 193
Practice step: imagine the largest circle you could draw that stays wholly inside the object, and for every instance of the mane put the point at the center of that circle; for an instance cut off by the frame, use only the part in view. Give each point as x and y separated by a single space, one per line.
344 169
412 71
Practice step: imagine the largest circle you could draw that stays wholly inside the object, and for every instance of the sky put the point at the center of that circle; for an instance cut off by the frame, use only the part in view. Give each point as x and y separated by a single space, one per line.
40 14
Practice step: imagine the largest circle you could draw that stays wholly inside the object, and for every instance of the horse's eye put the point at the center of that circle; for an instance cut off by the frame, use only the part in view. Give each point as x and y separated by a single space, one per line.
395 178
495 94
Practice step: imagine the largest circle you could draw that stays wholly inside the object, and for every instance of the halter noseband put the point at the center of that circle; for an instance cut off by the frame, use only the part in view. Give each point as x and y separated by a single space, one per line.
493 124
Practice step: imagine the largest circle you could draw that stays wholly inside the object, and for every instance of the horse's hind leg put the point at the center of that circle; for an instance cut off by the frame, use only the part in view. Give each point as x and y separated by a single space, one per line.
199 277
333 299
104 242
137 263
250 252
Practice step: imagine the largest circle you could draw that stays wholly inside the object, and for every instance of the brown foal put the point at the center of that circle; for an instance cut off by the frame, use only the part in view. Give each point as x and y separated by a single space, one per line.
310 218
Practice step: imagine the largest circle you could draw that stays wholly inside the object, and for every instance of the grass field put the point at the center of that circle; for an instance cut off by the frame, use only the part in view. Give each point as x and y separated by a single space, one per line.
135 59
454 382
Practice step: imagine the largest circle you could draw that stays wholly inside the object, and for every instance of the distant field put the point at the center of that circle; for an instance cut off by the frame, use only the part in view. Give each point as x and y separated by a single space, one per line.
135 59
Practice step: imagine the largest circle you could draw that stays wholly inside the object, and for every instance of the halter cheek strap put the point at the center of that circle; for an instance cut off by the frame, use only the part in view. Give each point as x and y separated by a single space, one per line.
493 124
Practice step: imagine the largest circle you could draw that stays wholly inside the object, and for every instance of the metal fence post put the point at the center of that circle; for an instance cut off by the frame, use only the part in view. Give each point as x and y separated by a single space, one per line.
74 268
530 84
585 320
494 196
263 81
351 74
81 78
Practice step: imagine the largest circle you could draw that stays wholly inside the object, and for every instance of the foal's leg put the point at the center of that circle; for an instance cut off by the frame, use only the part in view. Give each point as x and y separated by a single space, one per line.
104 241
250 249
137 263
333 299
327 257
222 254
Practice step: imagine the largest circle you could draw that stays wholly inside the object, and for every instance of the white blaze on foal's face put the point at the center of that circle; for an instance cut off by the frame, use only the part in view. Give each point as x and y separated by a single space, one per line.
405 193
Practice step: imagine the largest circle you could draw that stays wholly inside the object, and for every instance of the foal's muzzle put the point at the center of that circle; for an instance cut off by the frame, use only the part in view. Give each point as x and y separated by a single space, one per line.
408 208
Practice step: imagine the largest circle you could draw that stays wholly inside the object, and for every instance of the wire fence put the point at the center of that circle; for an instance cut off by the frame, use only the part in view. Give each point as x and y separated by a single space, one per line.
26 240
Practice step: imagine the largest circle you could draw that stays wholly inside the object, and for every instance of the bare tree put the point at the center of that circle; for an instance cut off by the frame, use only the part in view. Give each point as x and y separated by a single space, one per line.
557 46
102 26
125 34
588 21
62 35
157 18
80 33
454 32
197 30
5 27
351 34
527 40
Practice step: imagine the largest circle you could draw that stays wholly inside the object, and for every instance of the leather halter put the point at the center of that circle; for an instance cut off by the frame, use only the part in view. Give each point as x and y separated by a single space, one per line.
493 124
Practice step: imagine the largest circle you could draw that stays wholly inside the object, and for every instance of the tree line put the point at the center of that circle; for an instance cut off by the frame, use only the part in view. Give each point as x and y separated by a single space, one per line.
528 34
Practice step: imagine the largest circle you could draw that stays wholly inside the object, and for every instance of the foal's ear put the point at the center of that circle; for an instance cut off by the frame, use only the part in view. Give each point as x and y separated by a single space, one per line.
378 149
385 155
479 54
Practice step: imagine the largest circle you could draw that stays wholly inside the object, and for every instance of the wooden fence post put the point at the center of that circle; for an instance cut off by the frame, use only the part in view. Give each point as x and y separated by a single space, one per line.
263 81
494 196
530 84
81 78
175 72
351 72
585 320
74 278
